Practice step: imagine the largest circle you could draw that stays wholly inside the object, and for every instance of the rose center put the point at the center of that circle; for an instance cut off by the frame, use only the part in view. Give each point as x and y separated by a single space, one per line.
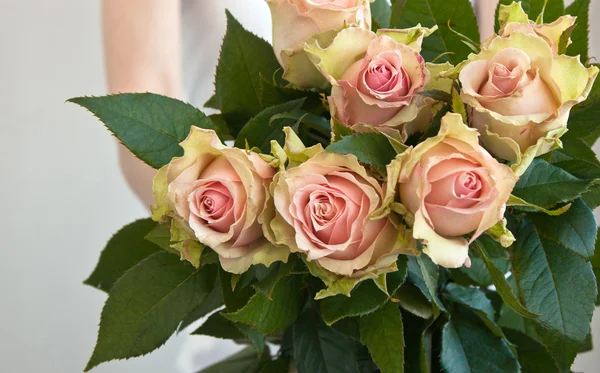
468 185
324 209
211 202
501 70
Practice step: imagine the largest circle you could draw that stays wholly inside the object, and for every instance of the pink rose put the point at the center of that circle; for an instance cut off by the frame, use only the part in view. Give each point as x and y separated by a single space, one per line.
296 21
376 78
520 94
219 193
453 187
323 208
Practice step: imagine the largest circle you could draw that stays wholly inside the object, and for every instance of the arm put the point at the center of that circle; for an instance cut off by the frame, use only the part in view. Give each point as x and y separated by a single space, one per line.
142 47
486 13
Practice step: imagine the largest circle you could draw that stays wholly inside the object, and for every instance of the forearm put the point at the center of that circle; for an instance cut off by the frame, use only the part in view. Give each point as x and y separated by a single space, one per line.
486 12
142 54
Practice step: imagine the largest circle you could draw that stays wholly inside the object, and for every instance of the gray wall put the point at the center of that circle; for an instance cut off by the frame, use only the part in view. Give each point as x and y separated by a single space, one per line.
62 195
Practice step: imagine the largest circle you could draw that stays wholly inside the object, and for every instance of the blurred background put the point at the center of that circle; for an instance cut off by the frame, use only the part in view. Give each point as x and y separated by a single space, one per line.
63 195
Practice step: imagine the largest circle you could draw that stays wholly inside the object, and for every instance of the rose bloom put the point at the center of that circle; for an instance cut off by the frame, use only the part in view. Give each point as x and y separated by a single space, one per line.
296 21
376 78
219 192
520 94
453 187
323 208
512 18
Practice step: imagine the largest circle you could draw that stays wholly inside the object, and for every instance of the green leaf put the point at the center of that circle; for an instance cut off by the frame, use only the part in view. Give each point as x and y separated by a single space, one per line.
533 357
468 346
245 361
407 13
583 118
470 297
434 127
503 288
411 299
256 338
234 299
124 250
575 229
340 130
382 332
349 327
396 279
381 11
554 9
458 106
580 35
213 301
244 59
416 275
523 205
219 327
263 128
281 365
582 169
146 305
320 349
478 273
595 261
430 275
365 298
546 185
492 249
276 272
558 285
150 125
213 103
574 148
160 235
269 316
370 148
592 196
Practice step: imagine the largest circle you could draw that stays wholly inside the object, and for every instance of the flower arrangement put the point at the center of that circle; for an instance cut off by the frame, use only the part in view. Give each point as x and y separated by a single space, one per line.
398 197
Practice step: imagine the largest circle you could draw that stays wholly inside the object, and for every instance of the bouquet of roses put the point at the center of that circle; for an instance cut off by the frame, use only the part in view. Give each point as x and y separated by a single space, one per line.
398 197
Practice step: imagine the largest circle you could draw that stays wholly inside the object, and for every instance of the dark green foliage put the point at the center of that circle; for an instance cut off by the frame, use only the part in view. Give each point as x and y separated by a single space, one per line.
219 327
271 315
503 288
244 361
370 148
150 125
533 356
408 13
383 333
557 284
575 229
213 301
146 305
245 60
381 11
320 349
266 126
580 35
366 298
234 298
272 275
123 251
546 185
468 346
